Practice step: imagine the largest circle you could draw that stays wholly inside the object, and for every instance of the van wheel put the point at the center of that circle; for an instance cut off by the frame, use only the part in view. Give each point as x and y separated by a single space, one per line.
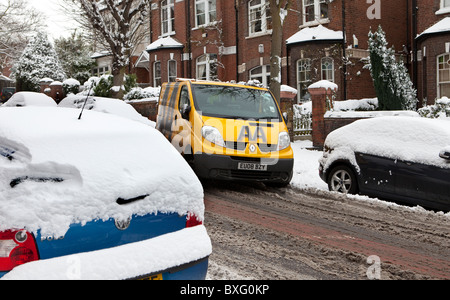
342 179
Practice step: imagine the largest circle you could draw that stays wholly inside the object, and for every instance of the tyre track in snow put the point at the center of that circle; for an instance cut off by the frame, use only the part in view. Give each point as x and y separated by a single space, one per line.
267 233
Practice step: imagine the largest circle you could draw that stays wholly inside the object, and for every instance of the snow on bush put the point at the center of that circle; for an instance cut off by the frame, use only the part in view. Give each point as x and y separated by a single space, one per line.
441 109
137 93
71 86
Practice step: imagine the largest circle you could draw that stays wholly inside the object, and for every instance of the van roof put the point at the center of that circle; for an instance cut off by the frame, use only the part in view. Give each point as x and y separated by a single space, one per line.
250 84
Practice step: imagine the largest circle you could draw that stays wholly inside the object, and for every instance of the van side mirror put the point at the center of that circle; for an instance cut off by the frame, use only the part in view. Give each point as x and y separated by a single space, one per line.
285 117
185 111
445 154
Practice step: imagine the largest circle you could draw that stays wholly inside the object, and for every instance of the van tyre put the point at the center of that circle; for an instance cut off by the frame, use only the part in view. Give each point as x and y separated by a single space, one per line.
342 179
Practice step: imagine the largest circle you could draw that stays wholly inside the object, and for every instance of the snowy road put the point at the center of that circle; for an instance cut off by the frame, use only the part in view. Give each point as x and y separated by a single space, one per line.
306 232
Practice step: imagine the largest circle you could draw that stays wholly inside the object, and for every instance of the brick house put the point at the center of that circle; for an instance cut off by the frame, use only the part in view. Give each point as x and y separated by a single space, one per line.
231 40
433 49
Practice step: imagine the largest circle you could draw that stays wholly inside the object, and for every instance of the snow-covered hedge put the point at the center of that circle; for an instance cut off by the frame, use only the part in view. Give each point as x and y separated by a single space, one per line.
140 93
441 109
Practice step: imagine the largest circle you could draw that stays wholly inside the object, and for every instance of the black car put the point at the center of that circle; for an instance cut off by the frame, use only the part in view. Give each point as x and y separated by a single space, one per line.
406 159
6 93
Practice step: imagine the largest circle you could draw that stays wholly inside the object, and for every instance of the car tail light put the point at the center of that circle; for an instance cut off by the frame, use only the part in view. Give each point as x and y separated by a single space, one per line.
16 248
192 221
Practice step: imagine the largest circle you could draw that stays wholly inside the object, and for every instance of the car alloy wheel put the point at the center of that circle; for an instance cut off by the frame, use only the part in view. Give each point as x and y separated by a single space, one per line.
343 180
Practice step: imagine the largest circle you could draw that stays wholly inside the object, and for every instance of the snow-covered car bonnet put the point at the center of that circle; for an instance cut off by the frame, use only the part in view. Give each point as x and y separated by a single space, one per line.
56 170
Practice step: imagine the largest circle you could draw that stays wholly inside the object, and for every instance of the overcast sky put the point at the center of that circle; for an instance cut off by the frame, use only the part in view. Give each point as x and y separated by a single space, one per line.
58 23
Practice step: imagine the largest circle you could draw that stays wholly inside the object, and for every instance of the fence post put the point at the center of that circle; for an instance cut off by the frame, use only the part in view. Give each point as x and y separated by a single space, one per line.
319 92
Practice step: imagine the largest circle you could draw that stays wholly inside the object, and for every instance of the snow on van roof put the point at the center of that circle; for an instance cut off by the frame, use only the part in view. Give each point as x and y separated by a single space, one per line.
56 170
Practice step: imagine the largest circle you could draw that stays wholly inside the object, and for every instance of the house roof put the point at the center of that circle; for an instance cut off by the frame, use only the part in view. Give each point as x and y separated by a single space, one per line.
440 27
164 42
318 33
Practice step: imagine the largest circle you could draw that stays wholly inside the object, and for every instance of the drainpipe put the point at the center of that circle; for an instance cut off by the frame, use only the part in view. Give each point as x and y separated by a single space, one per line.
414 34
188 36
236 26
344 46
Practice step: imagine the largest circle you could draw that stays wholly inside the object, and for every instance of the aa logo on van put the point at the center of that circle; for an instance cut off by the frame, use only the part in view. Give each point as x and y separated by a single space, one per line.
252 137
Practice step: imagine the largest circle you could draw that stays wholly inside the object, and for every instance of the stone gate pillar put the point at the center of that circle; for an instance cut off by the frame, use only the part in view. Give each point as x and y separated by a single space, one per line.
320 91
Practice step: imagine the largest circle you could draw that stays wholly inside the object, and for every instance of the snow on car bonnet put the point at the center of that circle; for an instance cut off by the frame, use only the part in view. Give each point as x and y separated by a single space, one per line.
56 170
405 138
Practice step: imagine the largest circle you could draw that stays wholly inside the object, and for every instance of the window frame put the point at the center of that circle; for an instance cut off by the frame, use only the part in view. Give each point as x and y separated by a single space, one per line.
208 12
156 78
329 71
438 71
307 72
172 78
169 7
265 18
317 7
210 59
264 74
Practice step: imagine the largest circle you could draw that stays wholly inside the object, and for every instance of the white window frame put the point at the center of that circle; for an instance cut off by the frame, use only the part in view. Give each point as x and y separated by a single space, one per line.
328 72
445 4
264 74
307 72
265 19
168 7
439 82
210 12
155 77
169 69
318 19
208 63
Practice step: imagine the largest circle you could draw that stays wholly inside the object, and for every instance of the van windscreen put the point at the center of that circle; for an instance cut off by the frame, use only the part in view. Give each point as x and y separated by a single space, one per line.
235 102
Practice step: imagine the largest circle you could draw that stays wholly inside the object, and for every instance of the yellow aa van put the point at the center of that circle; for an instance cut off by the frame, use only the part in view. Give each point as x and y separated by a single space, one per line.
227 131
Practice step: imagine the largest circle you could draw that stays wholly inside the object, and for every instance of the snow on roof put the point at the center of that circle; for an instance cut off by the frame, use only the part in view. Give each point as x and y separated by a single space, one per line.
99 158
164 42
318 33
441 26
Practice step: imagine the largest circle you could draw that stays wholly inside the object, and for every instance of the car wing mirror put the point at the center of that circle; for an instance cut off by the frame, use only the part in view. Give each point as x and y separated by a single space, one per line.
445 154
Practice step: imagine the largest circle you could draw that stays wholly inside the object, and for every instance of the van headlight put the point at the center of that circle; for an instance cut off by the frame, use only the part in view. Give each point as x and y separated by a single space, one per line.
213 135
284 141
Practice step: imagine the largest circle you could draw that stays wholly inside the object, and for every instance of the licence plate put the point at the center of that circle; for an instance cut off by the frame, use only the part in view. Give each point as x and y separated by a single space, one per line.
153 277
252 167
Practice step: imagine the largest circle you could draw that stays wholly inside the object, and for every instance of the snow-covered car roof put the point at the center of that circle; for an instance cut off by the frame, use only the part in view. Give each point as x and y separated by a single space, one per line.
405 138
56 170
30 99
106 105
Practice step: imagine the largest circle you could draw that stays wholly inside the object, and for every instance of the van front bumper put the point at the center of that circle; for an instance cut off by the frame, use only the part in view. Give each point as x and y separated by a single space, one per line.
225 167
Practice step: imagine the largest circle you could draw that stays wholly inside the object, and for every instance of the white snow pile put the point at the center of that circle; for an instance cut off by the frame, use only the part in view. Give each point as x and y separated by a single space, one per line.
105 105
29 98
68 171
319 33
417 140
324 84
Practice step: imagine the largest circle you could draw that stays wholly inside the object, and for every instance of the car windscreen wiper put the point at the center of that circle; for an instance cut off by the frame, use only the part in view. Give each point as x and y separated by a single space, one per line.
19 180
122 201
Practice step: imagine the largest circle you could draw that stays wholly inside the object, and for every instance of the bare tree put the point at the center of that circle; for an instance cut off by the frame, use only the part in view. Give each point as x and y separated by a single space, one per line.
120 25
278 11
18 22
